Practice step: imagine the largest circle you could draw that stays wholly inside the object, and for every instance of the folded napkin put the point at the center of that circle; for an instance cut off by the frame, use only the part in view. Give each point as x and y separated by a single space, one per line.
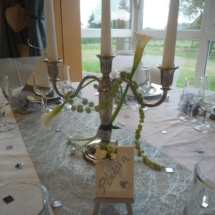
22 104
41 66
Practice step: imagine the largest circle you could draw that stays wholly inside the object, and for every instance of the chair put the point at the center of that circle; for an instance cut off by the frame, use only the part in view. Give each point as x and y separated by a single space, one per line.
124 60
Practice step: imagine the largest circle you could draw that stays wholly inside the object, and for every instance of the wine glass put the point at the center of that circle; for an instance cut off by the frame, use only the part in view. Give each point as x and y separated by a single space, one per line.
5 99
121 90
42 87
191 95
142 77
65 83
207 105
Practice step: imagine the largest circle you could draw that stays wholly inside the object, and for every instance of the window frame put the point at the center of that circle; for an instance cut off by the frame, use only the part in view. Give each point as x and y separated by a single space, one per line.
204 35
69 40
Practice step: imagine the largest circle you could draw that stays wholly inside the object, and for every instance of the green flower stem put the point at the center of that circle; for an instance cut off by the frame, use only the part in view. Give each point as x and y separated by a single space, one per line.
82 139
114 115
90 140
89 82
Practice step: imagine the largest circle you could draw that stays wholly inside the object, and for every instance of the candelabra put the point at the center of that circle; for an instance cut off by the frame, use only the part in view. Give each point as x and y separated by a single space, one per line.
104 88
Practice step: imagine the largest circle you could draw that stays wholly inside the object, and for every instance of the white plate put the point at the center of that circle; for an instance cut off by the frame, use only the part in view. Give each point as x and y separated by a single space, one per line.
155 90
15 92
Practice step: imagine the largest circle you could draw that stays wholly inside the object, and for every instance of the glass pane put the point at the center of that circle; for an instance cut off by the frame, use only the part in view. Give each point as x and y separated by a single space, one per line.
91 47
91 14
186 53
210 68
87 9
190 14
91 18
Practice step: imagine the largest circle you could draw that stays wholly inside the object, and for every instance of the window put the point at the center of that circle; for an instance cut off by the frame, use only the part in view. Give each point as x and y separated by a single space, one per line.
91 25
195 37
210 66
196 32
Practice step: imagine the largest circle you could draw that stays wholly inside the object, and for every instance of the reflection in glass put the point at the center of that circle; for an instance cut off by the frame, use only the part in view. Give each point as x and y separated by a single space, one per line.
210 59
91 14
91 18
190 14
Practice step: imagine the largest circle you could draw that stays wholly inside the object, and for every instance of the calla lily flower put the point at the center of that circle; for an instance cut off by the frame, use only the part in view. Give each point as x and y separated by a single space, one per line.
47 117
142 40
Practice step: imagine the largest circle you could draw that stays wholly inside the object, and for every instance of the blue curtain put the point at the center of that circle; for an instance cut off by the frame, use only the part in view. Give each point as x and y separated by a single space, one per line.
36 26
9 38
34 32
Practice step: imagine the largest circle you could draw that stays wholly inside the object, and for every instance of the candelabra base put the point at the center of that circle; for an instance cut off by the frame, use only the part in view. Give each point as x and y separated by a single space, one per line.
90 149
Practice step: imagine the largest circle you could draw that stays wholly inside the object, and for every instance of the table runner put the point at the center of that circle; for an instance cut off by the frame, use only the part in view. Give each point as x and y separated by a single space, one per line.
71 179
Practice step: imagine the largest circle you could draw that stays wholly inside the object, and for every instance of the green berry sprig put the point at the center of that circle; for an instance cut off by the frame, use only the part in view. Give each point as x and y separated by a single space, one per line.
140 152
85 106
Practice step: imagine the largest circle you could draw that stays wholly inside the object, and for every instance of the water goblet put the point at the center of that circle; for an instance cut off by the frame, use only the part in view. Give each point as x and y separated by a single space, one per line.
207 105
121 90
201 196
191 95
5 99
142 77
42 87
65 83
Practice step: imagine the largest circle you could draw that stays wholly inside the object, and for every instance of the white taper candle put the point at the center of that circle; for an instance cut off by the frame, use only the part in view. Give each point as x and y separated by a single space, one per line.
171 33
106 28
51 43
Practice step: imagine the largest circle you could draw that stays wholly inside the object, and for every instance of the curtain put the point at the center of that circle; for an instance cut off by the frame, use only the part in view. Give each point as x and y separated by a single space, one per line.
9 38
36 26
23 22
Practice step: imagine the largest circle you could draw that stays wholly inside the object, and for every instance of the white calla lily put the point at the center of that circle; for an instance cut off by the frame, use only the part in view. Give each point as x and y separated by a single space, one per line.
142 40
47 117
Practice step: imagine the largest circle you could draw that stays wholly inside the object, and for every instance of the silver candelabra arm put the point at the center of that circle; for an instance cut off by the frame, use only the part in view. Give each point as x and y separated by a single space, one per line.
166 82
76 92
53 70
142 102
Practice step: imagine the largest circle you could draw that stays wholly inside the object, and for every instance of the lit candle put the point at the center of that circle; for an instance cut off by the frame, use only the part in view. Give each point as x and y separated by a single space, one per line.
51 44
106 29
171 32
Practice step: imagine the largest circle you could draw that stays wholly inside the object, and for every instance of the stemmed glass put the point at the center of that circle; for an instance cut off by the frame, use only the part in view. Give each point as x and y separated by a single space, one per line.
123 86
192 95
5 99
65 83
207 105
42 87
142 77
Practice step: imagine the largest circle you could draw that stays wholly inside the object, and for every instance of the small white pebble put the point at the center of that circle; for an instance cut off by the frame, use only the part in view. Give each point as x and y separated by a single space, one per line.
164 132
69 138
72 151
169 170
30 98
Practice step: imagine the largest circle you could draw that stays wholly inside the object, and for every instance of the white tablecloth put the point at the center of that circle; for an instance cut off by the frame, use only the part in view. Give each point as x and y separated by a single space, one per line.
180 141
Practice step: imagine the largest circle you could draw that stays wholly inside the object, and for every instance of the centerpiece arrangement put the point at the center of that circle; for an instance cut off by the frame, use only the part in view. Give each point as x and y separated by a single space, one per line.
108 88
105 106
